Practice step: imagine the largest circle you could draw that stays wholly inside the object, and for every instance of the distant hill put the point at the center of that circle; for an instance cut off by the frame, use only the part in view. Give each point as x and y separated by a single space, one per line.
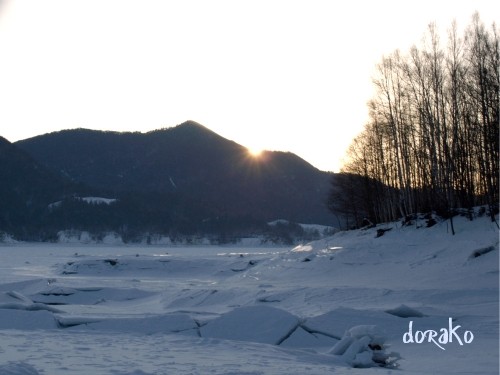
186 179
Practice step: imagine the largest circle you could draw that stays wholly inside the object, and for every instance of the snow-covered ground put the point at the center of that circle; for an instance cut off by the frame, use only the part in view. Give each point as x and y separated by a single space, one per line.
340 305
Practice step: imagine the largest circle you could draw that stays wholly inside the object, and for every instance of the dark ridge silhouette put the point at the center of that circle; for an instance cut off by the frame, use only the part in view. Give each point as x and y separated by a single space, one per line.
187 177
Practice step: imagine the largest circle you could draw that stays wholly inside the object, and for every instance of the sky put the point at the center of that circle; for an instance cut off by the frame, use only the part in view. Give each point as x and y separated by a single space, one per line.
281 75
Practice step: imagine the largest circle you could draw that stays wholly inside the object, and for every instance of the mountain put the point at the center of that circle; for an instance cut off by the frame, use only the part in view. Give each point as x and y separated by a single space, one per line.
187 174
27 188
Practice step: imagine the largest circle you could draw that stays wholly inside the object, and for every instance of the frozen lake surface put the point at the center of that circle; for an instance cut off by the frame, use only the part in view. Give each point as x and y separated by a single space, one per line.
340 305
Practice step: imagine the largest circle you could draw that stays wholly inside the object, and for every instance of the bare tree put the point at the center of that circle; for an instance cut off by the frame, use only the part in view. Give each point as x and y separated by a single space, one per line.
432 141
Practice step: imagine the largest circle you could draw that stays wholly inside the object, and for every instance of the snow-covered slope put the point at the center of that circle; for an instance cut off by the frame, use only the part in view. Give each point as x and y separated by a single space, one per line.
342 305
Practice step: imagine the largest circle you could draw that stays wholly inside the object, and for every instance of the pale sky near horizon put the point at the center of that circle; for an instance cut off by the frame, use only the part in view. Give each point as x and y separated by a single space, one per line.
276 74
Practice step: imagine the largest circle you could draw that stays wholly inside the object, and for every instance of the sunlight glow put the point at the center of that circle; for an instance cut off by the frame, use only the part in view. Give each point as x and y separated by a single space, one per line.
255 152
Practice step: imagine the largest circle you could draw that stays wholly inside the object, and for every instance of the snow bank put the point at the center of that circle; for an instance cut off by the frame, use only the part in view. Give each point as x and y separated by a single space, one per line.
360 346
322 307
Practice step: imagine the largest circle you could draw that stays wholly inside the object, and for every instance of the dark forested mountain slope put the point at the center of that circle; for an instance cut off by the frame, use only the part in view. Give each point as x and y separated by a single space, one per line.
201 171
26 189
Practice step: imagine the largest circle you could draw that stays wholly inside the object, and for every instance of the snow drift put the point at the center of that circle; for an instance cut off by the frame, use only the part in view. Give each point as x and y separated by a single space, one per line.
332 305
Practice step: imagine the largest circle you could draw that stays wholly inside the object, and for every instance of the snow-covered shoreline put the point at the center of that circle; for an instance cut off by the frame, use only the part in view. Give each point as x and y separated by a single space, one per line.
341 302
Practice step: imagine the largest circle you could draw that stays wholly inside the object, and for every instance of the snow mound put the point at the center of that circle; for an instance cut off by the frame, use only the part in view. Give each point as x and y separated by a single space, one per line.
363 346
262 324
18 368
17 301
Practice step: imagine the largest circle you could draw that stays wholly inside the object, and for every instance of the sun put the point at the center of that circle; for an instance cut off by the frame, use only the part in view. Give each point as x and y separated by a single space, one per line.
255 152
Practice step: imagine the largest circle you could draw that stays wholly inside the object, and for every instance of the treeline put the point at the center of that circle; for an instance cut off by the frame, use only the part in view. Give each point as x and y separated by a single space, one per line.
432 141
142 217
